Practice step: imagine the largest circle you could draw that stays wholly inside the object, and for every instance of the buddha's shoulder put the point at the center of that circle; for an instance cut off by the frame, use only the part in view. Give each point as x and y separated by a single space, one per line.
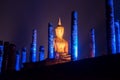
65 41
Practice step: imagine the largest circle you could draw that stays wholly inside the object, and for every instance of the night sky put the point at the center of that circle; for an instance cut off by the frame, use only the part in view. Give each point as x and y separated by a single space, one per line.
19 17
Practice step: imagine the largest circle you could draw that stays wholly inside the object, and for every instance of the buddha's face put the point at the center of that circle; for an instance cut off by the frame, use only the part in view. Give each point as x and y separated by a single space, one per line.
59 32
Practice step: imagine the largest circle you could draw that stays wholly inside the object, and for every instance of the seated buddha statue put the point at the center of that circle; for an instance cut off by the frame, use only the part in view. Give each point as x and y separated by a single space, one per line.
60 44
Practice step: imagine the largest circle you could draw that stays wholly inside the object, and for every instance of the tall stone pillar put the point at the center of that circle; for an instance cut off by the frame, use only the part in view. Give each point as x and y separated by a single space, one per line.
74 36
5 57
51 54
12 57
1 55
33 51
117 30
92 44
111 41
24 55
41 53
18 62
8 64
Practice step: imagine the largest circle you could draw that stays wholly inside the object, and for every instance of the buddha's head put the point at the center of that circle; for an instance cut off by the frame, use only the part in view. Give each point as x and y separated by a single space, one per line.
59 30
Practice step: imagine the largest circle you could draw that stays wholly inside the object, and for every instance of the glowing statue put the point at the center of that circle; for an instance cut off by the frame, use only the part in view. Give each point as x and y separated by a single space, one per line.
60 44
